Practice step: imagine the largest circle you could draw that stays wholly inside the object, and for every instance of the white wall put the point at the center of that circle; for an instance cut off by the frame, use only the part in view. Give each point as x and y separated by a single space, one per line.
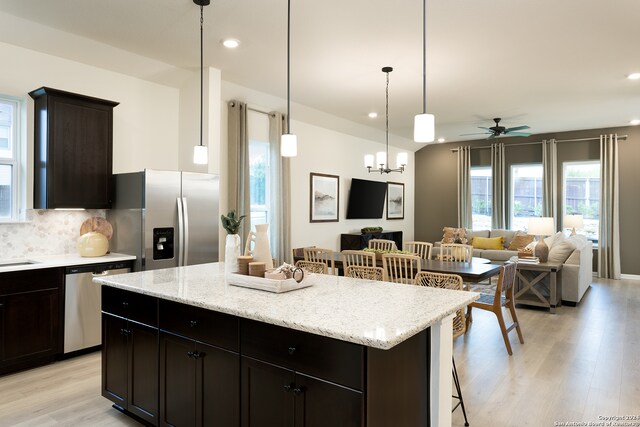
322 150
146 123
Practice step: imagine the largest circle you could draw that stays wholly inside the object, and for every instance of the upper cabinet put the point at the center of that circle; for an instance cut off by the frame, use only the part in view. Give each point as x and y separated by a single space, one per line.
73 150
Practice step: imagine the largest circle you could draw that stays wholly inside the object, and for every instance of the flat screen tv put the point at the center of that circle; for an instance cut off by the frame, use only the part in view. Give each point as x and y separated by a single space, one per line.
366 199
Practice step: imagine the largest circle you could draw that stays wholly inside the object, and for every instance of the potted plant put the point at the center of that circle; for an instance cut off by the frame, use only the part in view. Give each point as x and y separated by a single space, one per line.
231 223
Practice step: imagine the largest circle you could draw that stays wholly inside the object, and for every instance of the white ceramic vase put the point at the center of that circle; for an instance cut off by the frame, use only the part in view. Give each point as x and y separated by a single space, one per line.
231 253
258 245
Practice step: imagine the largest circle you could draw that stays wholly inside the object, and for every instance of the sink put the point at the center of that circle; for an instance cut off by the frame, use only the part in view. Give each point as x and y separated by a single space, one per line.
15 263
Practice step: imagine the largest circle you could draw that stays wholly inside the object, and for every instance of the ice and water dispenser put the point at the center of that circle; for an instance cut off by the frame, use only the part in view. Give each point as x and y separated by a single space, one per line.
163 243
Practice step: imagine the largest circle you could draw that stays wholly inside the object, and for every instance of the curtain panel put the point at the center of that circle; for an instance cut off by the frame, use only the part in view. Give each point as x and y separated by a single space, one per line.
498 190
609 240
280 191
550 180
464 187
238 164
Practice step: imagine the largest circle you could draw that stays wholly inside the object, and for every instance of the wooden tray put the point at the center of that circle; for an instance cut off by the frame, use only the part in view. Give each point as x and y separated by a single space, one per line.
269 285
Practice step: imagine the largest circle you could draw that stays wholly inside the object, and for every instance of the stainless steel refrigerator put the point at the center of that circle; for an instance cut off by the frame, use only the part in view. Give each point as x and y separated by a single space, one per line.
166 218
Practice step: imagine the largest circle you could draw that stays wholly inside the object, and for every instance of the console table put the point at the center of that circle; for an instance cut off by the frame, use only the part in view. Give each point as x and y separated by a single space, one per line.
530 290
357 241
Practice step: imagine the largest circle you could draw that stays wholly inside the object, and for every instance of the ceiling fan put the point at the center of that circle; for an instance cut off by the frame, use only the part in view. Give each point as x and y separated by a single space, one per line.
498 130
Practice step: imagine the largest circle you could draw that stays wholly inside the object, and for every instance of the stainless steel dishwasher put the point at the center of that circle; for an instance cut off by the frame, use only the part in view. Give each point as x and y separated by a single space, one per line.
82 304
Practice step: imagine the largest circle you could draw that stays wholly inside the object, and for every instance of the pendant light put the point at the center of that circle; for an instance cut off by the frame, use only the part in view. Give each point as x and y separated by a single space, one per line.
382 157
424 124
288 141
200 154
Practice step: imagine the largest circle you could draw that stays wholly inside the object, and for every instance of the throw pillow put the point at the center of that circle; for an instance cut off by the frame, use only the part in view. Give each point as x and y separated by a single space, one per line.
520 241
488 242
507 234
561 250
551 240
452 233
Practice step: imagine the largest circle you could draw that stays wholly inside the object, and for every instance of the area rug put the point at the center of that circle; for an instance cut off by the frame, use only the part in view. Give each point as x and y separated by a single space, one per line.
484 287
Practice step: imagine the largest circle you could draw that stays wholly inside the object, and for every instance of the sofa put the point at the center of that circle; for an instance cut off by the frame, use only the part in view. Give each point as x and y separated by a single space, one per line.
574 252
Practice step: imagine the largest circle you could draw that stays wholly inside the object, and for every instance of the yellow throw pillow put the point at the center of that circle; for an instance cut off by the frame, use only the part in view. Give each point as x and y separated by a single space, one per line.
488 242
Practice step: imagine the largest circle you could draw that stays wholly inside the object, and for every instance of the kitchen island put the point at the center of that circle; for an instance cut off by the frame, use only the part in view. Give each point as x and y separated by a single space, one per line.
183 347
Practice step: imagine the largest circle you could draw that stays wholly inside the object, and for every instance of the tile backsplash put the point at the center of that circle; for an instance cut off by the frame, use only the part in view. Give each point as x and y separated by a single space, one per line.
45 232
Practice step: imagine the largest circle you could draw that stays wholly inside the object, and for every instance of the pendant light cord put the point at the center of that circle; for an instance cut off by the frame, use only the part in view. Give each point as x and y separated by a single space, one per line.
387 118
288 65
424 56
201 70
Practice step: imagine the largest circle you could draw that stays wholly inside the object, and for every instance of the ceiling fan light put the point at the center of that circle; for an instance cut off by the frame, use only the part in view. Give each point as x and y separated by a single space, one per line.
424 128
200 155
288 145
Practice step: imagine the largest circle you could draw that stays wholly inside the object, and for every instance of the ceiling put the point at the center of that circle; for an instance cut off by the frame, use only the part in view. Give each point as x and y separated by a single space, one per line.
554 65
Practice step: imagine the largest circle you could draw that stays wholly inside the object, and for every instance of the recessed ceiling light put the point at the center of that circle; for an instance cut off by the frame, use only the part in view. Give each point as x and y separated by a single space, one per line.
634 76
635 122
373 115
231 43
441 140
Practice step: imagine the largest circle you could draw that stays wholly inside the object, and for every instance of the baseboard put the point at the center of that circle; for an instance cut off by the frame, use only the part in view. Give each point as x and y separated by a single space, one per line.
630 276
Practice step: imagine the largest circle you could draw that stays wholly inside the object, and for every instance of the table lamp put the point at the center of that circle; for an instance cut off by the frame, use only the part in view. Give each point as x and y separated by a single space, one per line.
573 222
541 226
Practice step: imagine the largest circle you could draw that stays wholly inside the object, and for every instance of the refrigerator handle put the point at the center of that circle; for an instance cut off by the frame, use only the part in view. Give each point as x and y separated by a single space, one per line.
185 250
180 232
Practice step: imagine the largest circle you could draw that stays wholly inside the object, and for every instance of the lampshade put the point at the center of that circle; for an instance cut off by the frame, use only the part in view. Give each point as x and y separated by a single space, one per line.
368 160
381 158
402 159
288 145
541 226
573 221
200 156
424 128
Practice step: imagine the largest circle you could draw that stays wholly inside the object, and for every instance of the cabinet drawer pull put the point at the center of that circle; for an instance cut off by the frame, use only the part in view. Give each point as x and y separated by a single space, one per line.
125 304
125 332
193 323
190 354
292 350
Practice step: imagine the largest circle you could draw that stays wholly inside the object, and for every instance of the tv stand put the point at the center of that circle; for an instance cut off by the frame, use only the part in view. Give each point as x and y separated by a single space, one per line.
358 241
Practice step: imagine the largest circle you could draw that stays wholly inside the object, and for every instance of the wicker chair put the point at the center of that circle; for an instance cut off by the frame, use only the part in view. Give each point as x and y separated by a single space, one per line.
449 281
362 258
503 298
422 249
325 256
382 244
364 272
456 252
298 253
312 267
400 268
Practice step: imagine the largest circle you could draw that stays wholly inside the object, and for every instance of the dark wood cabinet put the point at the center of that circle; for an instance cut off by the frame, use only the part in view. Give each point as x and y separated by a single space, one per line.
73 150
273 395
30 318
199 384
199 367
356 241
130 353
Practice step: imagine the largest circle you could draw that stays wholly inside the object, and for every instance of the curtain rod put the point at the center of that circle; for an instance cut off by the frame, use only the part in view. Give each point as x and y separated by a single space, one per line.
484 147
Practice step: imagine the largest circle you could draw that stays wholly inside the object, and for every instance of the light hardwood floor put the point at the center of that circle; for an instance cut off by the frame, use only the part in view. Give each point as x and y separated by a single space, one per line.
576 365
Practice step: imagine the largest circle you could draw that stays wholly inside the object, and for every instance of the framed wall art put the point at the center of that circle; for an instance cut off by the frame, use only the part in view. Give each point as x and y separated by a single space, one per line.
395 200
324 201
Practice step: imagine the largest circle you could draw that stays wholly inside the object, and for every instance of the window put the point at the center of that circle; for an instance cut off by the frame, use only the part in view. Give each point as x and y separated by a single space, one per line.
9 161
581 192
259 167
526 194
481 197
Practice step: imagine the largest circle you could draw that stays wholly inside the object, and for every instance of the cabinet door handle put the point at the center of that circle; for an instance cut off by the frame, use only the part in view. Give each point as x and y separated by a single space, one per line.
190 354
125 304
193 323
125 332
288 387
292 350
298 390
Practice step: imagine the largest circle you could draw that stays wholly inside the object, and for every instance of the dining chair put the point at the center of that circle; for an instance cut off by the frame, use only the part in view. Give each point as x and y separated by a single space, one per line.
364 272
312 267
298 253
382 244
503 297
321 255
422 249
363 258
454 282
455 252
400 268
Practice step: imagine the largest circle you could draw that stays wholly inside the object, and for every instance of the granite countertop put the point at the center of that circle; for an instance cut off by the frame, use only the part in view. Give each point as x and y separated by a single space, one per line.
374 314
49 261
